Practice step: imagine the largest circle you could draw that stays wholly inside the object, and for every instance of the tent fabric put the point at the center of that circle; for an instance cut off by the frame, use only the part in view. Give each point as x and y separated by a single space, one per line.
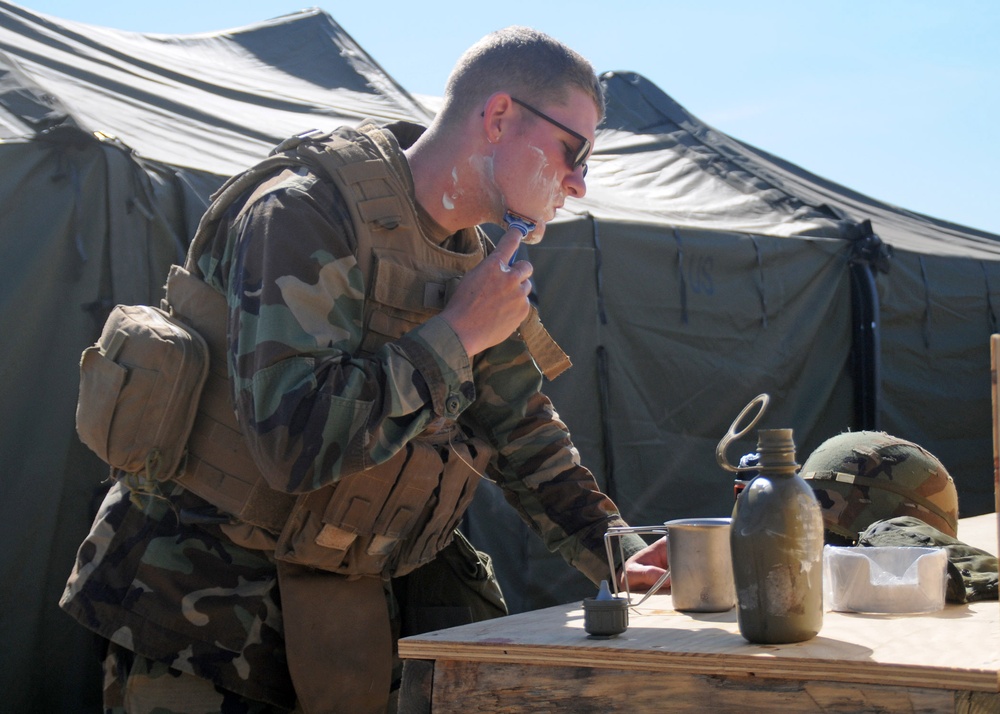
697 273
214 102
656 160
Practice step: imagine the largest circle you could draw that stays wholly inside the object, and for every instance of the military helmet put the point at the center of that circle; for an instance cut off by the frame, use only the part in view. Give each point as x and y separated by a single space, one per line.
865 476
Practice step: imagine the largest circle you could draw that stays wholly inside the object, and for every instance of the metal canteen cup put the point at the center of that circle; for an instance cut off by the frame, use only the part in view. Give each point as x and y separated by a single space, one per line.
700 564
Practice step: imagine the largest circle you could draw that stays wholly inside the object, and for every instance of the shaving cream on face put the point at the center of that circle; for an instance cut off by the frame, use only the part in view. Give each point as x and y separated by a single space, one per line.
546 185
537 182
483 168
541 184
448 201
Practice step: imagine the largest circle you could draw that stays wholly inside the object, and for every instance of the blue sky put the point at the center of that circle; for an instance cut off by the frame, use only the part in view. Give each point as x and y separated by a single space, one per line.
897 99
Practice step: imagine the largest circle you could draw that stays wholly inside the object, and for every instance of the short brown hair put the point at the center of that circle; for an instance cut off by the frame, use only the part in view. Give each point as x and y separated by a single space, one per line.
524 62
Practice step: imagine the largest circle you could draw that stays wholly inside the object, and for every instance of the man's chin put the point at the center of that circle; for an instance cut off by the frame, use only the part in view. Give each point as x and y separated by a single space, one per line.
536 235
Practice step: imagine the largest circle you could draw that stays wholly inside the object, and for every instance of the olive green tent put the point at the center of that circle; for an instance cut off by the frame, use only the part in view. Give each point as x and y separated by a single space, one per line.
697 273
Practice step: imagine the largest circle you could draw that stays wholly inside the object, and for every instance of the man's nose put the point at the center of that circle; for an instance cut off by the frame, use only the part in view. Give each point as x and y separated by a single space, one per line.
576 185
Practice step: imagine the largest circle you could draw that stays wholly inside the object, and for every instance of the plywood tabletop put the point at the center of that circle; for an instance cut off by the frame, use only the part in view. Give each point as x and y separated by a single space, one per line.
955 648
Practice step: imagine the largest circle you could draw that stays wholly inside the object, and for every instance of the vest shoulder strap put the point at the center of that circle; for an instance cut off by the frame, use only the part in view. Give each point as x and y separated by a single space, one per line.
232 189
358 162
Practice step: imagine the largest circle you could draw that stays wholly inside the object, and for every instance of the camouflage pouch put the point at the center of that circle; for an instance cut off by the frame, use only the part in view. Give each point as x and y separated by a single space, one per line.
139 390
972 573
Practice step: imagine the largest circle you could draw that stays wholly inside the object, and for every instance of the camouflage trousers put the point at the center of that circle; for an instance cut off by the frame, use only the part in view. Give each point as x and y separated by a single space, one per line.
456 588
136 685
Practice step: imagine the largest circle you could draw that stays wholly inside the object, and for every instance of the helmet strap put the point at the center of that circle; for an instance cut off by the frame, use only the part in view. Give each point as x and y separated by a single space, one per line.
885 486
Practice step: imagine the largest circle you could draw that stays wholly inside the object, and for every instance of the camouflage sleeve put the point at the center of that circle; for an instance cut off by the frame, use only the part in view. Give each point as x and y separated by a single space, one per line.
537 465
313 410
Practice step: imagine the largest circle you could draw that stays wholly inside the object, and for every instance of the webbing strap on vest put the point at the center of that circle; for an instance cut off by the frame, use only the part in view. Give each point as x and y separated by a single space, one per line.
548 355
232 189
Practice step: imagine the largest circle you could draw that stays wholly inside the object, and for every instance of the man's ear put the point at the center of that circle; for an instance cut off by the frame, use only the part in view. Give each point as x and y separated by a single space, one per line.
495 115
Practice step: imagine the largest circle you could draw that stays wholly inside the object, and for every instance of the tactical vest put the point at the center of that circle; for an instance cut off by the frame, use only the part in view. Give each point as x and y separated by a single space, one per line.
393 517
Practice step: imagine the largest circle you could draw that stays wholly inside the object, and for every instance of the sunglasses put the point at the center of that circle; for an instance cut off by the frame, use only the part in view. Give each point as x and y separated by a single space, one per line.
577 158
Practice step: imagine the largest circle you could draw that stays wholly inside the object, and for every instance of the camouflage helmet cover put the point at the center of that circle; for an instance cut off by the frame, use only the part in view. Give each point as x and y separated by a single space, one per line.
865 476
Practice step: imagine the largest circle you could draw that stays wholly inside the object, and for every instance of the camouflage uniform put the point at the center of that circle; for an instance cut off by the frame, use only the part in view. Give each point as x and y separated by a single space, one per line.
315 411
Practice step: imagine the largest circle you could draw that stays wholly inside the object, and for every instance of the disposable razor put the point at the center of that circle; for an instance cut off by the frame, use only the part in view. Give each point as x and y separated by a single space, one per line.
518 222
522 225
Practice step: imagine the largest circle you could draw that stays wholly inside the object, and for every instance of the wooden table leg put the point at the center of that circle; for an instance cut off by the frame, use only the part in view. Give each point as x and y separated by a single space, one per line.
415 689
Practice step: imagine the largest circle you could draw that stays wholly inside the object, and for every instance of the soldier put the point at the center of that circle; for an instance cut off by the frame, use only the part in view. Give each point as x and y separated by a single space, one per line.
372 389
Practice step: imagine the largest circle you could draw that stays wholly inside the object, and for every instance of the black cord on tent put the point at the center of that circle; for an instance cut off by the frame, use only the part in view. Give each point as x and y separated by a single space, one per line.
926 326
598 274
680 276
992 316
760 282
604 391
603 377
869 256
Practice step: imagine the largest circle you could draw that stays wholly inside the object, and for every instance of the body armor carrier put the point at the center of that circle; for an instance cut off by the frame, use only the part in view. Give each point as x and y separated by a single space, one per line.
395 516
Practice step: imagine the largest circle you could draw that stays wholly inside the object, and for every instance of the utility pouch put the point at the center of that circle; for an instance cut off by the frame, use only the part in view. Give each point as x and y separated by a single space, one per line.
459 479
139 389
458 587
355 526
389 519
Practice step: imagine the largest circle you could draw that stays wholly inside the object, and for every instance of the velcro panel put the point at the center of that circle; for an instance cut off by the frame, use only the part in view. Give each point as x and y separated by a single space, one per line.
358 498
399 286
385 211
359 172
215 486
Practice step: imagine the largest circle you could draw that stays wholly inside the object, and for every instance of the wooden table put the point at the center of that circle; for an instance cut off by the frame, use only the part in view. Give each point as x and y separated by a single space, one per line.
543 661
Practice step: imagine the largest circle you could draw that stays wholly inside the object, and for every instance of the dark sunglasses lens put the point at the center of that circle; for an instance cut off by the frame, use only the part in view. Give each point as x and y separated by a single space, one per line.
581 157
